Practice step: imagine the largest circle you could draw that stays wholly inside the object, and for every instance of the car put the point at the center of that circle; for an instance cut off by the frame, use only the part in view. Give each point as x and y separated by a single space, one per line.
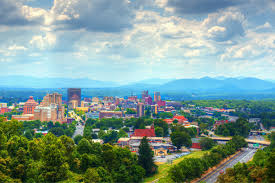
221 172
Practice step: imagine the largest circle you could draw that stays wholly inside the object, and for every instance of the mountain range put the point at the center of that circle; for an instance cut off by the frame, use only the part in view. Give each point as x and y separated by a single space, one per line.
206 84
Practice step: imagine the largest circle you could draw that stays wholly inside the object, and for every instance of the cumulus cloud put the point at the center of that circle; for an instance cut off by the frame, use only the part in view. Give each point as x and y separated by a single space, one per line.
43 42
93 15
14 13
224 26
200 6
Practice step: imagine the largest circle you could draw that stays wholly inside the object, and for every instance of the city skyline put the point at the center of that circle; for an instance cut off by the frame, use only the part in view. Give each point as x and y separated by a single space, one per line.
128 41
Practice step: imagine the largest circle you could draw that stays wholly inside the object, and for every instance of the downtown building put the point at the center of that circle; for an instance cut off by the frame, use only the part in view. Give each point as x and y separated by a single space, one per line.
28 110
140 110
50 109
74 97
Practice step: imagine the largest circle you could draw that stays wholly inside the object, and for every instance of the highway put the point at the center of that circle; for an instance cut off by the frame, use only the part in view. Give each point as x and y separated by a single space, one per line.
242 157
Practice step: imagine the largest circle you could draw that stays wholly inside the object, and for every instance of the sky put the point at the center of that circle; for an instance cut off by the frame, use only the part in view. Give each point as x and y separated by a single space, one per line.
132 40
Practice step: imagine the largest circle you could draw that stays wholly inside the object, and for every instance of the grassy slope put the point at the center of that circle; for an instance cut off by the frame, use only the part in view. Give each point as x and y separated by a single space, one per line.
164 168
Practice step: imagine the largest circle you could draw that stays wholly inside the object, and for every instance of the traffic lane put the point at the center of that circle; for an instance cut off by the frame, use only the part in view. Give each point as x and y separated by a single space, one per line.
214 175
79 130
242 157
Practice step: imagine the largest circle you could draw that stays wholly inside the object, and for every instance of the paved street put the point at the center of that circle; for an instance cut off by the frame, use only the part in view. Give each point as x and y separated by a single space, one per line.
79 130
79 127
242 157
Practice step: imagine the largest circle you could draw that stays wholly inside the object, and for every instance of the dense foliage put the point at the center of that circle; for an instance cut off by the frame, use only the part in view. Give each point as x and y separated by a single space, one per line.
189 169
241 127
260 169
161 127
263 109
52 159
207 143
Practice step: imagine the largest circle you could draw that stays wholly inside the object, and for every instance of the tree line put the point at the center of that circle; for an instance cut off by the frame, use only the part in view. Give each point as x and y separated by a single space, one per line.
260 169
191 168
53 159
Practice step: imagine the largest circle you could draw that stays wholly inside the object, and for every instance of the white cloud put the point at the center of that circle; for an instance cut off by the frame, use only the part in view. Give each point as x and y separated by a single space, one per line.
224 26
43 42
16 48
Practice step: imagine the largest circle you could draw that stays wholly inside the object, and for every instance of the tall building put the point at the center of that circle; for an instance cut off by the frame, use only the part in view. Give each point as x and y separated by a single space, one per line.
140 109
50 109
144 94
157 96
148 100
30 106
74 94
54 98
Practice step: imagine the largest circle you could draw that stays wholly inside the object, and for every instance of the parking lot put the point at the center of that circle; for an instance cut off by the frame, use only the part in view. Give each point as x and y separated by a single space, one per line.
165 159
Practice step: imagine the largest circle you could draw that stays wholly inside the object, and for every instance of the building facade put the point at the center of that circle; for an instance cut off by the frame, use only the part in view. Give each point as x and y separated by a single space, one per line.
74 94
140 110
30 106
157 96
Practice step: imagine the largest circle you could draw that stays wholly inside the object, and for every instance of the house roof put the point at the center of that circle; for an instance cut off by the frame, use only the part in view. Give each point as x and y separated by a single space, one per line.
182 118
169 121
144 133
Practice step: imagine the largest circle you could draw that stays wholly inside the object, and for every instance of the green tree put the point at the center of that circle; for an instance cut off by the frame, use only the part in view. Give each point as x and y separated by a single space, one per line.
57 131
145 157
181 138
92 176
77 138
207 143
159 132
84 146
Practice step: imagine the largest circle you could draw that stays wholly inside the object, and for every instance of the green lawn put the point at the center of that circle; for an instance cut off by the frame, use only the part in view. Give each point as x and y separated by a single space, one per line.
164 168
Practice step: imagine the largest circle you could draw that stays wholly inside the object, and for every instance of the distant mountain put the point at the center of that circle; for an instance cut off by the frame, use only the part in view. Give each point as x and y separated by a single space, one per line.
211 84
34 82
206 84
153 81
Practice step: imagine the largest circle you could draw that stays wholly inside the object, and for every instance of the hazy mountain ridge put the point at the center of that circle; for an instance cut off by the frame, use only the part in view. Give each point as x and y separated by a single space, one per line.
33 82
205 84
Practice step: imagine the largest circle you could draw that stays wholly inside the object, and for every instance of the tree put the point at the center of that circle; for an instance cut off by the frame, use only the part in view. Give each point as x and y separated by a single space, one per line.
145 157
91 176
181 138
122 133
159 132
77 139
29 134
57 131
207 143
84 146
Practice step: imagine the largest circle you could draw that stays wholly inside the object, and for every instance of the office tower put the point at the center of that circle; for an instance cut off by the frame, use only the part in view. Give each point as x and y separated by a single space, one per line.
140 109
50 109
148 100
74 94
144 94
157 96
54 98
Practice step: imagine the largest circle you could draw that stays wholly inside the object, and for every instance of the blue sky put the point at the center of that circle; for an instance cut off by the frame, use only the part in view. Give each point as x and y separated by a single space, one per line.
131 40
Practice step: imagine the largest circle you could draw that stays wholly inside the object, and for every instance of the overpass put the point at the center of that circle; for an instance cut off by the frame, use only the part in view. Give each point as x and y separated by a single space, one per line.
260 142
258 132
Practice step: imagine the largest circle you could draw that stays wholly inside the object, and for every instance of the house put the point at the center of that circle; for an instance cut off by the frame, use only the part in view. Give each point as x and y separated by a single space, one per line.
168 121
221 122
144 132
196 143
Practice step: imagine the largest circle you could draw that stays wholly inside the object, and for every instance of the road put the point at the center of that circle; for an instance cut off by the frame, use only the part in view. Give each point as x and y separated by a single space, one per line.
79 130
79 127
242 157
